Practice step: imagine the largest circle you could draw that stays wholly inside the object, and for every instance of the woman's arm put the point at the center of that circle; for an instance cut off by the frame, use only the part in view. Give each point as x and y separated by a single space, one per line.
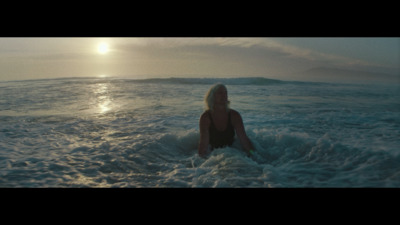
241 133
204 134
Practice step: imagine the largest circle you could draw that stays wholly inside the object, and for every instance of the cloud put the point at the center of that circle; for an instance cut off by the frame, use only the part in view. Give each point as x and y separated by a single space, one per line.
175 56
223 56
271 46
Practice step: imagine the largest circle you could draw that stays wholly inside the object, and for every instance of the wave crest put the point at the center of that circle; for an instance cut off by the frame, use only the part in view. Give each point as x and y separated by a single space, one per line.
208 81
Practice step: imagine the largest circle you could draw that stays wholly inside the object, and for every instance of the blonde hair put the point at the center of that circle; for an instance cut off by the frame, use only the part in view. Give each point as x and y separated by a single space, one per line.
209 97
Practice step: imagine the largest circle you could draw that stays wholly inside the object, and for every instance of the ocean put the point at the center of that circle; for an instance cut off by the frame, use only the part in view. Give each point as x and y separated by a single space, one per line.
114 132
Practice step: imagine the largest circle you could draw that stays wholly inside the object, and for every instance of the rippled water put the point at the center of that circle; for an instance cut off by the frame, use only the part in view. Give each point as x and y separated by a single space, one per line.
92 132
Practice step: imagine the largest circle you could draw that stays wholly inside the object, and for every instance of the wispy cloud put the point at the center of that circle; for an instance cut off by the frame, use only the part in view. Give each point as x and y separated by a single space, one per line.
175 56
271 45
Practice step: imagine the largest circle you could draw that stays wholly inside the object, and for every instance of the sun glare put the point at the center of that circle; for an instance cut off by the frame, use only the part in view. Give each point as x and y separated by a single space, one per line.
102 48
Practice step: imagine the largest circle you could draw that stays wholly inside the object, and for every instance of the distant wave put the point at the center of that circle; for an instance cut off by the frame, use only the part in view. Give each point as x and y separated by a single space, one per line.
258 81
227 81
177 80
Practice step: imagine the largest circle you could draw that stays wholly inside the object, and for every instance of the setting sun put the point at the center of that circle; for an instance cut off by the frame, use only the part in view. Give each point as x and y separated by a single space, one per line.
102 48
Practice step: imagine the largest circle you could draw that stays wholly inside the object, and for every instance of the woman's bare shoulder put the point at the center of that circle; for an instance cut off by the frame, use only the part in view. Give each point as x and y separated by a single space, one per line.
205 116
235 113
236 117
205 120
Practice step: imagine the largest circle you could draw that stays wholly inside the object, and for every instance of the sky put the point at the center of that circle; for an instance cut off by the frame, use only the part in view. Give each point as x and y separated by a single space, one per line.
302 59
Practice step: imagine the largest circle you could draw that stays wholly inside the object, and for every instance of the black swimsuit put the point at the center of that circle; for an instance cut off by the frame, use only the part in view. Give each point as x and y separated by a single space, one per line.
220 139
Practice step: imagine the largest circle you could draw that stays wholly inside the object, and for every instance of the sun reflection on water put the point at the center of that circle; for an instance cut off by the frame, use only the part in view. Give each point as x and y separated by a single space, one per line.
104 106
103 100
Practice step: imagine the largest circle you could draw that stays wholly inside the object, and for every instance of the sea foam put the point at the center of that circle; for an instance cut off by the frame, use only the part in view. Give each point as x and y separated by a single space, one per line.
108 132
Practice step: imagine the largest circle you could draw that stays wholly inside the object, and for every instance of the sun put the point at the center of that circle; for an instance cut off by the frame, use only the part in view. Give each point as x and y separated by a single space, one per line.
102 48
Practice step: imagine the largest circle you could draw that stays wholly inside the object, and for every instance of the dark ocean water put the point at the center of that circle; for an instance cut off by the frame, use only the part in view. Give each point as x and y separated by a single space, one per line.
92 132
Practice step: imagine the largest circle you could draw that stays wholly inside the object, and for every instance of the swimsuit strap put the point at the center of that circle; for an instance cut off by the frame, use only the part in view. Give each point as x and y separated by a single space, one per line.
209 113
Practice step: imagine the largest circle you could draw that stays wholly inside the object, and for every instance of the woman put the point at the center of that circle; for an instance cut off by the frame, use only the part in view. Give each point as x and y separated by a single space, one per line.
219 123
